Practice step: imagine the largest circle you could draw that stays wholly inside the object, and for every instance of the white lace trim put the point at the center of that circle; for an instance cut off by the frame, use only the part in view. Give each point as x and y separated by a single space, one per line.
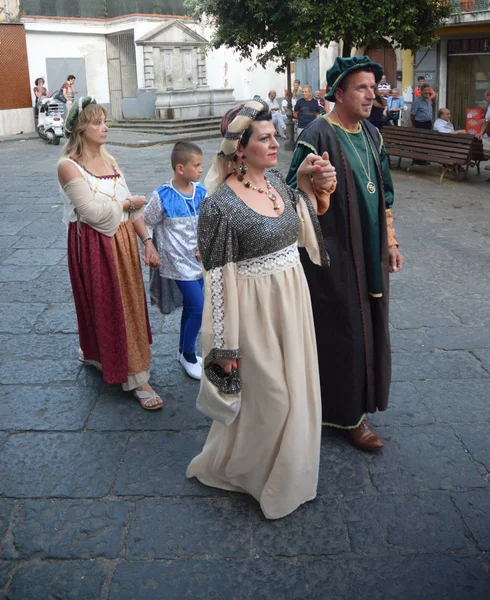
283 259
218 304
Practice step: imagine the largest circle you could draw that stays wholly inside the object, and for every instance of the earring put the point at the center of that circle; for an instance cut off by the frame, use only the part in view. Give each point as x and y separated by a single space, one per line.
242 170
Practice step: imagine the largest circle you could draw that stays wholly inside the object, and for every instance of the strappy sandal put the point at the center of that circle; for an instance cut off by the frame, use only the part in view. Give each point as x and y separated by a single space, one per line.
145 397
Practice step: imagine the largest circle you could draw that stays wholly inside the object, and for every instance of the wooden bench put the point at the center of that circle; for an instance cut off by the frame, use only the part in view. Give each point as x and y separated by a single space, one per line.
452 151
478 154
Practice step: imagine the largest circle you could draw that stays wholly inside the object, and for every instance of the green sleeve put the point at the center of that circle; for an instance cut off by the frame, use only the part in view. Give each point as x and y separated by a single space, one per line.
299 155
388 181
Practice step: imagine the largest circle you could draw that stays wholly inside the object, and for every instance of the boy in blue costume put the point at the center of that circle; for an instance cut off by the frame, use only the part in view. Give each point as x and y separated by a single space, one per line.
172 212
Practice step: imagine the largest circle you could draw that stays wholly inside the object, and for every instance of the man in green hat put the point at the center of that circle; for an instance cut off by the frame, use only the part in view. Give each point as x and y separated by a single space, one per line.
350 298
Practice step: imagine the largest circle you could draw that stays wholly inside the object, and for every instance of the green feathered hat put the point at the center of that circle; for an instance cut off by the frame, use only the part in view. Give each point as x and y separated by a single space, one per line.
344 66
75 110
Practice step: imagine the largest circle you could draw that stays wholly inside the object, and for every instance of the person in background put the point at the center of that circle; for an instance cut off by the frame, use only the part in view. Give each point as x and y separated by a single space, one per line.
306 109
384 87
275 111
323 105
378 109
297 90
485 122
443 122
173 214
284 103
68 91
421 113
418 90
40 91
394 107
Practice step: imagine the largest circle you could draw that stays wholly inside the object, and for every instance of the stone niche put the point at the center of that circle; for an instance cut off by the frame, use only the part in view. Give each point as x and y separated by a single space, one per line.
175 68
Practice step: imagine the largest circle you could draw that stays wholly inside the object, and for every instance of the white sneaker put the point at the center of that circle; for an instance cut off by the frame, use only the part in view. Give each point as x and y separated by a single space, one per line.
179 354
194 370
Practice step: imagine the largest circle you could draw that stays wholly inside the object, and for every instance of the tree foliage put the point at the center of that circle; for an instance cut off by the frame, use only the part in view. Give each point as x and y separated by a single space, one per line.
278 29
288 29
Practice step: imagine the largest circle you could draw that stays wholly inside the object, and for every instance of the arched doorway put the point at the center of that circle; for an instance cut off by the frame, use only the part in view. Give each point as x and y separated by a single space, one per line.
383 53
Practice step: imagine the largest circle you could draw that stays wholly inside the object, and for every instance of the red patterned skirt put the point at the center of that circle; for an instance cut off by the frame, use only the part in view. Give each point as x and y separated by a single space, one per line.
110 301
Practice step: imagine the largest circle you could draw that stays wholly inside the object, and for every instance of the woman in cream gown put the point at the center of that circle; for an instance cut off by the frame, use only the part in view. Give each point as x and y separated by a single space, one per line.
258 312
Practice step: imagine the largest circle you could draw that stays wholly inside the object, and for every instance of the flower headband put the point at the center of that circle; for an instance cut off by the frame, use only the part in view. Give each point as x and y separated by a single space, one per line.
75 112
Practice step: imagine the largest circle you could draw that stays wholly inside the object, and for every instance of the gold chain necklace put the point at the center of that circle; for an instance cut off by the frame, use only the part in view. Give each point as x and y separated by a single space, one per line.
371 188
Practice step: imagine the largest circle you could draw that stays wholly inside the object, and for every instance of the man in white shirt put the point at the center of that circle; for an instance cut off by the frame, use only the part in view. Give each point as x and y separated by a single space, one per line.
277 117
443 122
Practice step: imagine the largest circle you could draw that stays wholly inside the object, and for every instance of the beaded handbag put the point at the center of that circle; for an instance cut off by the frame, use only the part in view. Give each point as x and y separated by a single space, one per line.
220 394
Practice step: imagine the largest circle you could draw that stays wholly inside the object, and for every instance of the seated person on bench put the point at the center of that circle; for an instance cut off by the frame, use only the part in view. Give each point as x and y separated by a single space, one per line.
443 122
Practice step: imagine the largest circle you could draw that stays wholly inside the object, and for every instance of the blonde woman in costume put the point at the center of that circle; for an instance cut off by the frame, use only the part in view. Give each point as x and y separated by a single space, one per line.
257 312
104 221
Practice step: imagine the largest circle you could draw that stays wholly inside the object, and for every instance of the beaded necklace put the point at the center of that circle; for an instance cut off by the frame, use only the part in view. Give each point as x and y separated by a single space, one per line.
267 191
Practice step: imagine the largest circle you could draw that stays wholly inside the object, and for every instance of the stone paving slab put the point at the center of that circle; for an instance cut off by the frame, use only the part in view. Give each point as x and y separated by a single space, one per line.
37 346
16 371
438 365
209 580
407 407
116 412
6 507
155 463
484 357
475 439
12 274
67 529
456 401
474 507
406 469
393 523
347 469
170 528
459 338
67 580
396 578
50 408
60 465
59 318
19 319
315 529
38 256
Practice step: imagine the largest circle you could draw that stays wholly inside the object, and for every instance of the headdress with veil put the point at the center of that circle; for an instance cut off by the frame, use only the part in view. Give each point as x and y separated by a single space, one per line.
233 126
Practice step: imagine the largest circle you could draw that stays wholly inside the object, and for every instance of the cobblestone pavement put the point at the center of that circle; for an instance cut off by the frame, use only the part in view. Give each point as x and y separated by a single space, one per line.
93 498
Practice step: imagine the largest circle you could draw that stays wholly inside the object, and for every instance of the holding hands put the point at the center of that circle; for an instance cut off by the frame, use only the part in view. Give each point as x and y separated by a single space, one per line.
150 255
321 171
318 179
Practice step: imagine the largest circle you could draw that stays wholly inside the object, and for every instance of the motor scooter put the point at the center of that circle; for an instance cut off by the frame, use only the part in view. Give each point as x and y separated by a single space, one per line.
50 123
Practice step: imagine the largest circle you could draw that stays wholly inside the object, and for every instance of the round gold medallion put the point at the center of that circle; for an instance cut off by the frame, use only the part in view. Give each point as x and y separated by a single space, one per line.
371 188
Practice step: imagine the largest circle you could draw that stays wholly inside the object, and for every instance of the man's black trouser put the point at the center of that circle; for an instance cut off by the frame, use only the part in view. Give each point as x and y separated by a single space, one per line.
423 124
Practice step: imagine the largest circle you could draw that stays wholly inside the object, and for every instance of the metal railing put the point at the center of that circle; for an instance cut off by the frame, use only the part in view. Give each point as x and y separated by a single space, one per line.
462 6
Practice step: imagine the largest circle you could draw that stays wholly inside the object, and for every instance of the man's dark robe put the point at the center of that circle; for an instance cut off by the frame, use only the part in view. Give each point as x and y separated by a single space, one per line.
352 334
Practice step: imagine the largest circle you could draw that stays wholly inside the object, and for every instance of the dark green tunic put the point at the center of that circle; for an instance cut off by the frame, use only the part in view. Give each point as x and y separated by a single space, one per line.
350 299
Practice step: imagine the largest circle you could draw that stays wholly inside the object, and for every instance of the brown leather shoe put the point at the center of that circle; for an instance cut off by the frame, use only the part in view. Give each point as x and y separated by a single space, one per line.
364 438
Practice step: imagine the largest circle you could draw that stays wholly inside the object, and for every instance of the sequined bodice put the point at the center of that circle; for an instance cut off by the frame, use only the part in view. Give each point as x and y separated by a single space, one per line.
253 234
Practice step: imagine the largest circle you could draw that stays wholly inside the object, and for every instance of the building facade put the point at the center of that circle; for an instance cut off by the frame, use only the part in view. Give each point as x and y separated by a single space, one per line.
464 58
106 46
